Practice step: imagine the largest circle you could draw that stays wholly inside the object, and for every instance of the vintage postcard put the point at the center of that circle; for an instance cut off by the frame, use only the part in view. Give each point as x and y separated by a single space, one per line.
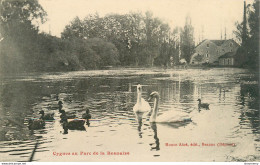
129 81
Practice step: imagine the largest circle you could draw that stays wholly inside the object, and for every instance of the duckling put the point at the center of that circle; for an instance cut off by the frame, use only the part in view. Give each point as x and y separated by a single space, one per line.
48 117
203 105
72 124
87 116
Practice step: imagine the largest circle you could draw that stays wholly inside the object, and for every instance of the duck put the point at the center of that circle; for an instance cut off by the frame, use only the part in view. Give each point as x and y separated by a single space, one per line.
36 123
87 116
46 117
141 106
72 124
70 115
203 105
166 117
60 106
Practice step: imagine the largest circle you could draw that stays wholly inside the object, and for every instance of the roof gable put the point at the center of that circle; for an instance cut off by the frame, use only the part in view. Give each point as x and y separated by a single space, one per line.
218 42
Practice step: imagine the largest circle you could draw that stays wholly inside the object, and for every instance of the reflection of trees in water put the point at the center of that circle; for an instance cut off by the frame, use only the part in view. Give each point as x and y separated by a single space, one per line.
16 99
175 91
249 98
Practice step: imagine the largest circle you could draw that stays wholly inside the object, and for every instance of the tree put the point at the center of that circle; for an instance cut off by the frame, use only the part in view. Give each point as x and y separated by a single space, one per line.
19 32
248 54
253 41
74 30
20 12
187 40
106 52
139 39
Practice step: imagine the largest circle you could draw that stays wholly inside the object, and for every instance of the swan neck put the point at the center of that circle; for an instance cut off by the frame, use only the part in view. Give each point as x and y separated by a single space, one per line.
138 97
155 110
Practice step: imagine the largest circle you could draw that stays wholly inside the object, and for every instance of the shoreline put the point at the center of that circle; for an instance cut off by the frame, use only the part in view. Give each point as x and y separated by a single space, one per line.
176 67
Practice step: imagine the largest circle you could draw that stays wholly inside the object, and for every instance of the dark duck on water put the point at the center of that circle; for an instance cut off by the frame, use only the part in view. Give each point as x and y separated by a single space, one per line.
69 115
34 124
87 116
46 117
203 105
60 105
72 124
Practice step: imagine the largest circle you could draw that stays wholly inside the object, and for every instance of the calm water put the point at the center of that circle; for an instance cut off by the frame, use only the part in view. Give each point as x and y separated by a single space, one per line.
233 118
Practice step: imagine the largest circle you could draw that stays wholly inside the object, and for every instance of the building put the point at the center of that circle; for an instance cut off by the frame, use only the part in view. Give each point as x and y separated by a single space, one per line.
210 51
227 59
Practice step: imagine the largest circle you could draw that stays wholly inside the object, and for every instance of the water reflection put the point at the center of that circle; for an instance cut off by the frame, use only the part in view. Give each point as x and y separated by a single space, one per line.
157 141
233 99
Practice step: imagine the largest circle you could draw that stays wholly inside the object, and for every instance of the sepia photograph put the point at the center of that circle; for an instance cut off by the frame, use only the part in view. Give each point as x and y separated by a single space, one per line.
129 81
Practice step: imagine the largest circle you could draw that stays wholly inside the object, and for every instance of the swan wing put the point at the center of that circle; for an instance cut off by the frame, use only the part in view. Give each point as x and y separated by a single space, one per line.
171 117
145 105
142 107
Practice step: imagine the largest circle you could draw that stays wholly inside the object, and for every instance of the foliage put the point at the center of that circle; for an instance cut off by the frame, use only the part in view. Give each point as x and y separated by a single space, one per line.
140 39
132 39
187 40
19 34
248 53
24 49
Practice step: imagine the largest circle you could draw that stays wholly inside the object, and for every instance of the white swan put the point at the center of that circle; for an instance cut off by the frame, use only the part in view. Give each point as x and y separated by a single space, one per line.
167 117
141 105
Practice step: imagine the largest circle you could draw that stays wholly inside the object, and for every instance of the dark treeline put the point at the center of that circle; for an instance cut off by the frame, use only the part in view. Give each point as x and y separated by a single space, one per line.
248 34
23 48
133 39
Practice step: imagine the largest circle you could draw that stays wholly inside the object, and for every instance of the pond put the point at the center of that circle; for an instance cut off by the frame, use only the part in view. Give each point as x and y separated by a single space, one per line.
228 131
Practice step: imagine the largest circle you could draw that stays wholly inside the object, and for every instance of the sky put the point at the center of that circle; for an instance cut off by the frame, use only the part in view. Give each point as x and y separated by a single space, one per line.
213 16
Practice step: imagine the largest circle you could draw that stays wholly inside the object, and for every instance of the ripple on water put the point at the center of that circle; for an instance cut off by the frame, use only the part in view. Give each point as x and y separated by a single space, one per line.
110 96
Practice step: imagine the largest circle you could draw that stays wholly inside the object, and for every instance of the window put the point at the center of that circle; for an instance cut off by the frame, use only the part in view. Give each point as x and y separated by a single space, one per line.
228 62
231 50
230 44
207 45
207 51
207 55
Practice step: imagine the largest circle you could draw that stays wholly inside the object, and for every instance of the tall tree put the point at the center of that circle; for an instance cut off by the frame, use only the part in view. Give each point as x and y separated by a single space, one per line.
244 27
248 54
19 32
20 12
187 40
253 41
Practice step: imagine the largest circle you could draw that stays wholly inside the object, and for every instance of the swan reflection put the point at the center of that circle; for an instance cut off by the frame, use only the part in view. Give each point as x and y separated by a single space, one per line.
153 126
157 142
